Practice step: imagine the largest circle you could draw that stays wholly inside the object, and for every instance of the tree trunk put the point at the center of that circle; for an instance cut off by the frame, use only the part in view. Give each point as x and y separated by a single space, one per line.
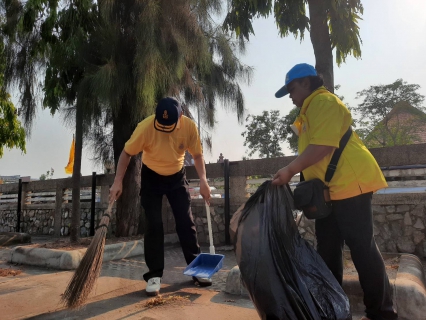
76 177
321 42
128 205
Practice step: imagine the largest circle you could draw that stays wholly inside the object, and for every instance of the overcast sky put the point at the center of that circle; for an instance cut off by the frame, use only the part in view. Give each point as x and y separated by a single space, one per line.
393 33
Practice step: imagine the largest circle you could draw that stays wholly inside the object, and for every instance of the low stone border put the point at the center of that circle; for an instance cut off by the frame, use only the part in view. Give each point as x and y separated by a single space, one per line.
70 259
10 238
410 288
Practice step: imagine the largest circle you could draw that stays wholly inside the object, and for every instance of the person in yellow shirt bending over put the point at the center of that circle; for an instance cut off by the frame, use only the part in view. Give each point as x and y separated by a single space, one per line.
322 121
164 137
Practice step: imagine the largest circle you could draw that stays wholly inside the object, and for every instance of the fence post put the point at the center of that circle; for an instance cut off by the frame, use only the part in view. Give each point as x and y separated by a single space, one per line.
57 224
92 206
18 223
227 204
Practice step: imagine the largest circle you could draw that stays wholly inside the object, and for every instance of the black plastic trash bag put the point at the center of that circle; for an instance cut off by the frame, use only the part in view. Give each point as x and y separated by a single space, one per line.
284 275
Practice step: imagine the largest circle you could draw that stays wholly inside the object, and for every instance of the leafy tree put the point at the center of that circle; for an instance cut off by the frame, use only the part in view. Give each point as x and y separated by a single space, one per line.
43 40
264 134
292 138
12 135
332 24
48 175
384 112
119 58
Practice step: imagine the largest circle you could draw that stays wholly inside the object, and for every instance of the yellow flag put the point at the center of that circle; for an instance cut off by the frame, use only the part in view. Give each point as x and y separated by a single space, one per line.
69 168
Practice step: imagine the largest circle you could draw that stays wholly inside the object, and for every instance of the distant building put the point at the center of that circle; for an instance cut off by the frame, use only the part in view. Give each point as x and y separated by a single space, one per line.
403 125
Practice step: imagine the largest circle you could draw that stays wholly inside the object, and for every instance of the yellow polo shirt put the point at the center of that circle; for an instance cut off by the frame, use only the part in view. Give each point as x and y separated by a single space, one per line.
323 120
164 152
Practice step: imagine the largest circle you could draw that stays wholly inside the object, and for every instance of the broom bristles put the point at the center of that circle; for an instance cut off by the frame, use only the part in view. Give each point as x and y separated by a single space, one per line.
88 271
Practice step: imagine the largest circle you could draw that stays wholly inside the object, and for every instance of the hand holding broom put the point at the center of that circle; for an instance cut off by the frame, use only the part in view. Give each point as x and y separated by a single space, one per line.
89 269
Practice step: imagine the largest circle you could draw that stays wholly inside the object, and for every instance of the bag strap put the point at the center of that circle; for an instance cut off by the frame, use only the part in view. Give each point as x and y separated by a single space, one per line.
336 155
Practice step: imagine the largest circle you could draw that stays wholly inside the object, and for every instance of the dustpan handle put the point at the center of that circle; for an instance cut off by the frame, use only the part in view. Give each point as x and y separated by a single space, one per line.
209 225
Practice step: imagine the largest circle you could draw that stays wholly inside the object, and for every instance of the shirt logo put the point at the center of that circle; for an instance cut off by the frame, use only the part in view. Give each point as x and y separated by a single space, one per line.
165 115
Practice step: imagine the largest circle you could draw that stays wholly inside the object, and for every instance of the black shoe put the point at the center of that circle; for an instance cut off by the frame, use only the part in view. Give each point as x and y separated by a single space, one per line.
203 282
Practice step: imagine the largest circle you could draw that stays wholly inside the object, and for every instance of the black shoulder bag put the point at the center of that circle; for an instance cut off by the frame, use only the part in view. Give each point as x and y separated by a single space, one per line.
313 196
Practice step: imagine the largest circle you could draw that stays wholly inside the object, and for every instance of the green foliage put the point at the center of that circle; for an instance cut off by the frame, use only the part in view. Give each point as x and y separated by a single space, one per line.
12 135
391 114
48 175
341 17
114 59
264 134
292 138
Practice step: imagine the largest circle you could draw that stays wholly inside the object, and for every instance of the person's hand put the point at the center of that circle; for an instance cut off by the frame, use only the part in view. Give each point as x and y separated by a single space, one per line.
115 191
283 176
205 191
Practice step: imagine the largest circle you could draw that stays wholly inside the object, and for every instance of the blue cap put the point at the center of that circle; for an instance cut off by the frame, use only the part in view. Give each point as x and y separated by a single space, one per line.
167 114
298 71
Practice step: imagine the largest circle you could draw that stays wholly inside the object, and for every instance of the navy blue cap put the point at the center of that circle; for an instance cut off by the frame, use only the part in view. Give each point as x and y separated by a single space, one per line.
301 70
167 114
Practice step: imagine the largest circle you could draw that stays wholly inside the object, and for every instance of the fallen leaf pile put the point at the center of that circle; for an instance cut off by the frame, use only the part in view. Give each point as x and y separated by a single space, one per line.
9 272
162 300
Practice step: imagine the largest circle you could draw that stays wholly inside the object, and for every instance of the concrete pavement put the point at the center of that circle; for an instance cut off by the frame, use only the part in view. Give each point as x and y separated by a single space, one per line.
119 293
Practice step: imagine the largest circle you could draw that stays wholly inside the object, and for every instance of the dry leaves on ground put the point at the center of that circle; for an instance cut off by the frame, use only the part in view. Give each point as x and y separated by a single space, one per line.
162 300
9 272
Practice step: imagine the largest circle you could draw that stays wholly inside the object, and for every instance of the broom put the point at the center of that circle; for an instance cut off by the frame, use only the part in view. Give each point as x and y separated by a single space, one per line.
90 266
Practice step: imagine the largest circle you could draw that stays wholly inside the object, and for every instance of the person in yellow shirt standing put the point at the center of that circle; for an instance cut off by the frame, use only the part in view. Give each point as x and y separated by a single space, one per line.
163 138
322 122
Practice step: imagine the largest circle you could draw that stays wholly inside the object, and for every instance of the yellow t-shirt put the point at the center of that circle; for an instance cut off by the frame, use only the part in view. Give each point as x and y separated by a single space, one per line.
323 120
164 152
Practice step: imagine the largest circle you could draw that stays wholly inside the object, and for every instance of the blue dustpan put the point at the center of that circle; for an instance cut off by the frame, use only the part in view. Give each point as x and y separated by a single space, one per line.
205 265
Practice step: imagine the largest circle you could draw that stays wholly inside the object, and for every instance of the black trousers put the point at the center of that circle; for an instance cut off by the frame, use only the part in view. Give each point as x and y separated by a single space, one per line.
351 222
175 187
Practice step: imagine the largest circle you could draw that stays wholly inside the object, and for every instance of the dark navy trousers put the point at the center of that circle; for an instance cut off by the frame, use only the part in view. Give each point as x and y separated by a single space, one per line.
351 222
175 187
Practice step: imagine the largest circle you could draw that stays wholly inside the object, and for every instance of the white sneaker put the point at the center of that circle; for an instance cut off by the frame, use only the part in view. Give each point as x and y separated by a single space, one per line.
153 286
203 282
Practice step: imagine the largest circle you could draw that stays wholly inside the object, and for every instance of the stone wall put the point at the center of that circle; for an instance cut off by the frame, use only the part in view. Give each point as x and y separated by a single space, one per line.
85 220
399 223
40 221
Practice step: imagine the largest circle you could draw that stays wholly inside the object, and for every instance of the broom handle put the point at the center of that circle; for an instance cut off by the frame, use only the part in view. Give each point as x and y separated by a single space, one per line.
111 204
209 224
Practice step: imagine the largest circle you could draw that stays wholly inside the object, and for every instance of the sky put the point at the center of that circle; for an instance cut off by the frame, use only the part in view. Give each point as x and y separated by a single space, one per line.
393 47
